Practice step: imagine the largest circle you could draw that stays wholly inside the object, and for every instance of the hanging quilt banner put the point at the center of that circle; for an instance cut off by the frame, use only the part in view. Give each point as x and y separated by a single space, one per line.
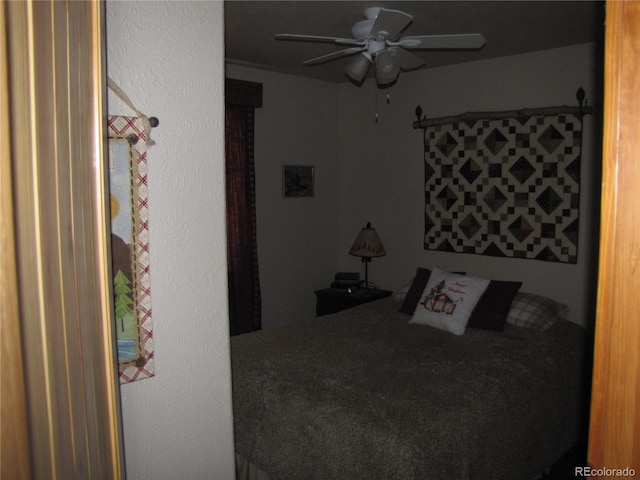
130 247
504 185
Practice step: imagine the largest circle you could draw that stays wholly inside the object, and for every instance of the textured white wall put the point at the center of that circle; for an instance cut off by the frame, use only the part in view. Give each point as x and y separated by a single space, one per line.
169 58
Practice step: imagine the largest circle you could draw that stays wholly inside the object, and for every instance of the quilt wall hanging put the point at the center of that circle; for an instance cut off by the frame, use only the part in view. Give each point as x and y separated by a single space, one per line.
504 184
130 246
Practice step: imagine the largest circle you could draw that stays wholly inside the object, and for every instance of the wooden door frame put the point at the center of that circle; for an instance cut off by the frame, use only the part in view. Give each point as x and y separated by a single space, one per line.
62 404
614 438
14 440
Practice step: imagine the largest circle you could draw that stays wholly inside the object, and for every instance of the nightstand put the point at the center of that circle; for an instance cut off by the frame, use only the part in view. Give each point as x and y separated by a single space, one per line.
332 300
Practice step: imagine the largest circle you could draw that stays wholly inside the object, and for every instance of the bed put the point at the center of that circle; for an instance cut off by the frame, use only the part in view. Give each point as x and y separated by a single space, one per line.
367 393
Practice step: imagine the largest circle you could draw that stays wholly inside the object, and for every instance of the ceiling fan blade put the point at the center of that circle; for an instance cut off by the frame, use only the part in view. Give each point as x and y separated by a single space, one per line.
334 55
406 60
389 24
437 42
315 38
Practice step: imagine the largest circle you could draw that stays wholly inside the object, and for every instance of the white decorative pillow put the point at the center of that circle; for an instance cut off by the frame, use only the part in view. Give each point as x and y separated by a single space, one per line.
448 301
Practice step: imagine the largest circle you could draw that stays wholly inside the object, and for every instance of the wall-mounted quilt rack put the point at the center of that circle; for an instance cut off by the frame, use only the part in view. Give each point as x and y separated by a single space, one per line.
581 109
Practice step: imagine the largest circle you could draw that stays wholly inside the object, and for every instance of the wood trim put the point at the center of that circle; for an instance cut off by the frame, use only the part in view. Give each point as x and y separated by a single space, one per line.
59 179
243 93
614 440
14 442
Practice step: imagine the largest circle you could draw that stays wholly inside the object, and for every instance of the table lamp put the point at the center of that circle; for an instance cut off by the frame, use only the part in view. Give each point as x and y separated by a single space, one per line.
367 245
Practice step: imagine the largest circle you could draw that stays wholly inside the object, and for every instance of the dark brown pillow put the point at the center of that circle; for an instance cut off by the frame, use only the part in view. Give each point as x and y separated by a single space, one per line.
493 307
414 293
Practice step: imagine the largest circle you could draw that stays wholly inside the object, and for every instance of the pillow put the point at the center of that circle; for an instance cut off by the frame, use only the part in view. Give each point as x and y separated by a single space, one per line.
536 311
494 305
448 301
401 293
414 293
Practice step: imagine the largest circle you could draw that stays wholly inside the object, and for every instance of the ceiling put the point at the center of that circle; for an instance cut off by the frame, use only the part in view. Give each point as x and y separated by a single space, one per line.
510 27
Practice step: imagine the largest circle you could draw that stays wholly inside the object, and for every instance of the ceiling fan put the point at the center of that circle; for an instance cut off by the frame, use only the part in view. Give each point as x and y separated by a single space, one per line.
376 41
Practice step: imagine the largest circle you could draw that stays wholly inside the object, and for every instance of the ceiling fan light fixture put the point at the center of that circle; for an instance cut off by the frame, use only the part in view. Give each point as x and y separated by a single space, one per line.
387 69
357 69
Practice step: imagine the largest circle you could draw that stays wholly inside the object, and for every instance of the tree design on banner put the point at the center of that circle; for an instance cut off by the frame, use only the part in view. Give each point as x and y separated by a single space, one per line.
123 303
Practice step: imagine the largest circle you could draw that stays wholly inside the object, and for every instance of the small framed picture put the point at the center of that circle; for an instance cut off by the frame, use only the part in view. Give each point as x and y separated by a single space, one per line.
297 181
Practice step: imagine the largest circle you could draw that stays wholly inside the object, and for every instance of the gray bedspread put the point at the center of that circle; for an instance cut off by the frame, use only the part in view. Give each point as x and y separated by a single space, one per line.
364 394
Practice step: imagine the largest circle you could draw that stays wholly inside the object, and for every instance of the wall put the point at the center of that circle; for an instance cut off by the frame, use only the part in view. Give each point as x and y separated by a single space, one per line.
168 57
391 195
297 237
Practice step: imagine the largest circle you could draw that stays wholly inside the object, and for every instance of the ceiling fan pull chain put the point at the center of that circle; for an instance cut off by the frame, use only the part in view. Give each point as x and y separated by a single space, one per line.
375 101
388 95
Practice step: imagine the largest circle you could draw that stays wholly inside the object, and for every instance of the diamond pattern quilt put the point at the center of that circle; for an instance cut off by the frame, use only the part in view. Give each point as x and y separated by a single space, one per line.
505 187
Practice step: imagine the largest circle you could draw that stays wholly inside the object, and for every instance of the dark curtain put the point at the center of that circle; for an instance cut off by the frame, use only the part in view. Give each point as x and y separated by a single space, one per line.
242 256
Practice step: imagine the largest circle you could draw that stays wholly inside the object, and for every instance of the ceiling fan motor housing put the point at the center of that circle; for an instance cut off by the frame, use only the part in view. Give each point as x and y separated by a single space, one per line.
375 46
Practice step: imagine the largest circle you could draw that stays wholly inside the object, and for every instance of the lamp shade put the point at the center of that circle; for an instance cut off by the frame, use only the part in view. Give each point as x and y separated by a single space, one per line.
359 66
367 244
387 69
